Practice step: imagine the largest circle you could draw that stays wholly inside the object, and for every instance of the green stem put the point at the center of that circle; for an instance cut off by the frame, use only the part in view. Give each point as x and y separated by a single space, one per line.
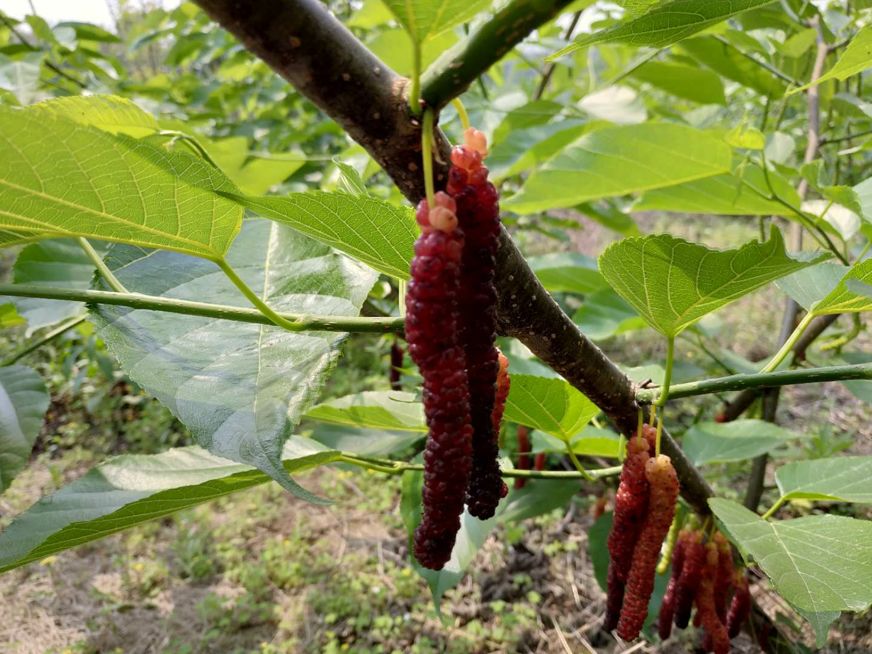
101 266
193 144
779 356
392 467
427 157
415 89
572 457
301 322
781 501
760 380
461 113
42 340
664 389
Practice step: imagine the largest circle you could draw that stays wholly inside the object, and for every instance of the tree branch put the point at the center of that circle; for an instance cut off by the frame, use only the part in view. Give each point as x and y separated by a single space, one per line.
313 51
457 68
760 380
301 322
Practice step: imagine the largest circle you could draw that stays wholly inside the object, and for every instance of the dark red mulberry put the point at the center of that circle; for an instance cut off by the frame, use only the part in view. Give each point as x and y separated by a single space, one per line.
716 632
740 608
539 461
667 607
523 454
432 332
688 582
663 481
724 580
478 216
649 433
631 503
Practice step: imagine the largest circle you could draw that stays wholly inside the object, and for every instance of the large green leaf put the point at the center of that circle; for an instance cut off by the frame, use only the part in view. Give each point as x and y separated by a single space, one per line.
254 173
370 230
673 283
76 180
373 410
712 442
666 23
567 272
818 563
810 285
590 441
424 18
848 295
132 489
688 82
548 404
58 263
856 58
109 113
23 403
618 160
840 479
731 63
240 388
727 195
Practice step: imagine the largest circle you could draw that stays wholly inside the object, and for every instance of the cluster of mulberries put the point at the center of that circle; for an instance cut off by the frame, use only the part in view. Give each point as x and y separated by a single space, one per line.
704 576
450 328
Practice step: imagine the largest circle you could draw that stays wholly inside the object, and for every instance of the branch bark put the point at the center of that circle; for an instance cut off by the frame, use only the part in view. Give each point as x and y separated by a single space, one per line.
305 44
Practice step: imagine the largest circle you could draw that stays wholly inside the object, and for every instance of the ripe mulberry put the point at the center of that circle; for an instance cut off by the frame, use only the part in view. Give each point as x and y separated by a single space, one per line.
663 481
724 580
740 608
396 365
631 503
432 332
667 607
716 632
688 582
478 215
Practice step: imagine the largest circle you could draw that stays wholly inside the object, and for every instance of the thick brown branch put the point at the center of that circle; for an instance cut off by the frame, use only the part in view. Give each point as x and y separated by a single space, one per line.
314 52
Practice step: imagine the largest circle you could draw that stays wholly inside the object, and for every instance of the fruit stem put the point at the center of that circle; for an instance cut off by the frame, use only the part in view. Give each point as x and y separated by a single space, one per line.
461 112
427 154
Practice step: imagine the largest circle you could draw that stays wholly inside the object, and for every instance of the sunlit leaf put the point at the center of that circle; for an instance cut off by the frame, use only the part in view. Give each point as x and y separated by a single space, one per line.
840 479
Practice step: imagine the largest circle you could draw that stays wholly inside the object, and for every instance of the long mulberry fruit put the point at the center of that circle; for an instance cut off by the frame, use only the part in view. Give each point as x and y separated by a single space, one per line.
631 503
724 579
716 632
478 214
432 332
688 582
663 481
667 607
740 608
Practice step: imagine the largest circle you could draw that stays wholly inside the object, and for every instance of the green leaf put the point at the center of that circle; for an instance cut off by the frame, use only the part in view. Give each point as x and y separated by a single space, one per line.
712 442
604 315
856 58
537 497
131 489
810 285
366 442
614 161
666 23
818 563
523 149
109 113
471 536
254 173
688 82
58 177
820 622
425 18
725 195
57 263
240 388
21 75
730 63
590 441
862 390
839 479
567 272
373 409
548 404
23 403
673 283
370 230
847 297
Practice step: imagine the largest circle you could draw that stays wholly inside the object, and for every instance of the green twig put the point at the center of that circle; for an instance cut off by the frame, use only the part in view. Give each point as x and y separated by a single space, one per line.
427 157
42 340
759 380
787 347
578 466
101 266
781 501
301 322
415 88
